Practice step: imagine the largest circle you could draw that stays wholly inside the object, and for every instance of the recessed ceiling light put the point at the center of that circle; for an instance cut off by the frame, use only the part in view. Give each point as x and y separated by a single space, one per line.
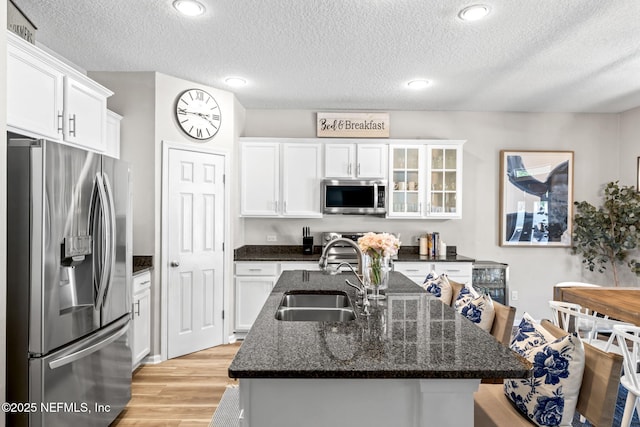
418 84
189 7
474 12
235 81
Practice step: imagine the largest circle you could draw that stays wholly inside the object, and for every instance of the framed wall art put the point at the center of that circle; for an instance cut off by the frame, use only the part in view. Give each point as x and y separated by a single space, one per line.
536 198
638 176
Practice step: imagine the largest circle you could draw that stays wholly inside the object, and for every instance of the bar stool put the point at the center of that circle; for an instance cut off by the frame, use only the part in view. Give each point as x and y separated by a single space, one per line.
629 341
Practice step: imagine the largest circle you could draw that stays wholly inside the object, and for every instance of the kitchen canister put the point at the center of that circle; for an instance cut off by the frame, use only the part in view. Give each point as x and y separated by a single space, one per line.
424 245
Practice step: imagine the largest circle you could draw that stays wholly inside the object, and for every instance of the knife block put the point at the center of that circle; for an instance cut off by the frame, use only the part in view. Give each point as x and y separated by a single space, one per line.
307 245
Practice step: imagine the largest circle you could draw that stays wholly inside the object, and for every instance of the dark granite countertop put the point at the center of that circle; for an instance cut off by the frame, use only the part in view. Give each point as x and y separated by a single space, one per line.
142 263
283 253
409 335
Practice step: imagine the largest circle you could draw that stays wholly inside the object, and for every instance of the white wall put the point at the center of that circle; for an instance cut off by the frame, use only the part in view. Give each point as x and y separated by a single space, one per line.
147 102
629 155
3 206
533 271
134 99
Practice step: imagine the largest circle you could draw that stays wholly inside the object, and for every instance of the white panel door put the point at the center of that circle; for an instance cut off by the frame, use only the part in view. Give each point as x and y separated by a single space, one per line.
195 250
301 176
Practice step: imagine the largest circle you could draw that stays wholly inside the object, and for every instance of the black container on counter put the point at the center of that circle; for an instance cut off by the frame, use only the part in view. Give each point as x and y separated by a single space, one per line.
307 245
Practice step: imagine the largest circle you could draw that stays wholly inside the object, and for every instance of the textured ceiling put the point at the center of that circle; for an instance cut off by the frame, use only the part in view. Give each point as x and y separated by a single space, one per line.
542 55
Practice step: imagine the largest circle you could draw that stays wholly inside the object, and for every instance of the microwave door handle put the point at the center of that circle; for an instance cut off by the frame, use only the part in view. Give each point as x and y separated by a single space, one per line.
111 240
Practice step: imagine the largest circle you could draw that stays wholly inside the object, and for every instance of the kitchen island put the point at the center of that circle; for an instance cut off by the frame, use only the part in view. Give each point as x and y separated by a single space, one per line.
412 362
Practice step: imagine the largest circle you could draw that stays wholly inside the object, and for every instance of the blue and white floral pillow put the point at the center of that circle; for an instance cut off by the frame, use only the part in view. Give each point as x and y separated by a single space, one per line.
550 396
466 295
528 335
439 286
480 311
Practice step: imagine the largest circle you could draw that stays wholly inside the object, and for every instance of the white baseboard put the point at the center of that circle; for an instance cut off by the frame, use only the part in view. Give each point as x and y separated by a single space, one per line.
152 359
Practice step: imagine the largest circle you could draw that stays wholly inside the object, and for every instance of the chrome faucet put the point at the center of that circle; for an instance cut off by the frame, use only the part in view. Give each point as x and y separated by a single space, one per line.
359 254
362 290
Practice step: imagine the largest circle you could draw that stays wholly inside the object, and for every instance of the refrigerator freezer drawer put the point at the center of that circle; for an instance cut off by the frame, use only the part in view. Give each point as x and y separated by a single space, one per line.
85 384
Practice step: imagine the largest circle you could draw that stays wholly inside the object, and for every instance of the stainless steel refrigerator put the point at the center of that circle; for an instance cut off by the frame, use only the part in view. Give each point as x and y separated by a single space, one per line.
68 285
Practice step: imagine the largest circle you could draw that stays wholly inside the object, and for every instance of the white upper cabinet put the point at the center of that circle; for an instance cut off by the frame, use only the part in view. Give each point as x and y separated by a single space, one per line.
406 178
49 99
355 160
280 179
301 175
260 179
34 92
113 134
444 181
85 115
340 159
425 180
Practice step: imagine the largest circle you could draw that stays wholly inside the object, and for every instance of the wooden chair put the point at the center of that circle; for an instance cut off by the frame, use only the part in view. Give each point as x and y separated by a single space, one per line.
596 399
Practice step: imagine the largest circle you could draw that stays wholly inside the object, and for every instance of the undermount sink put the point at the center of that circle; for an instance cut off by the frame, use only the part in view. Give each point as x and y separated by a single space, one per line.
309 314
315 306
315 299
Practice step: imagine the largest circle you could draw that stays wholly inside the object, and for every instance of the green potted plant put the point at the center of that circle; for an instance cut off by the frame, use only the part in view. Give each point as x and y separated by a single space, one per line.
608 235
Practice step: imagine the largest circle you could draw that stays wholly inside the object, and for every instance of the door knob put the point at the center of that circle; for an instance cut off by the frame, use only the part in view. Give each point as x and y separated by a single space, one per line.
174 264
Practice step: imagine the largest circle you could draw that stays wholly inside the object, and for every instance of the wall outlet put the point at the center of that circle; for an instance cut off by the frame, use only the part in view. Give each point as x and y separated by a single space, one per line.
514 295
272 238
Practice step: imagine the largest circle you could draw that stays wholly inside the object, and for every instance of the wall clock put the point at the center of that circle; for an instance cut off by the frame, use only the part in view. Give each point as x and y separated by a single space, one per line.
198 114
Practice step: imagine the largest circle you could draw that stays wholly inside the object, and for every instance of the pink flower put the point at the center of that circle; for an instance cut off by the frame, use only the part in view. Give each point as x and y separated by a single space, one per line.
385 244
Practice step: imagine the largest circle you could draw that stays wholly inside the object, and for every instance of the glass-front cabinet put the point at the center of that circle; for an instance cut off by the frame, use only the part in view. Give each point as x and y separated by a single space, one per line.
444 186
406 178
425 180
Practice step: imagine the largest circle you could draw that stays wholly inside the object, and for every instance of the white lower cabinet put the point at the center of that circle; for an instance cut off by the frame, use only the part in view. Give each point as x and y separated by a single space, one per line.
460 272
254 282
141 315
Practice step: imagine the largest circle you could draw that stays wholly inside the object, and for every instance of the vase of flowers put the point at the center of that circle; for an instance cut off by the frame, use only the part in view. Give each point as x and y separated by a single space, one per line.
378 250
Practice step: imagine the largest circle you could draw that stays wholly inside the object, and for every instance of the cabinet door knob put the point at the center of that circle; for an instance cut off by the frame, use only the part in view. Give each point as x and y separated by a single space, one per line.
174 264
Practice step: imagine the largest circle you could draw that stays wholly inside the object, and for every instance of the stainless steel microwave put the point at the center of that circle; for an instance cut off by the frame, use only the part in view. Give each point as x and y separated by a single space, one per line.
356 197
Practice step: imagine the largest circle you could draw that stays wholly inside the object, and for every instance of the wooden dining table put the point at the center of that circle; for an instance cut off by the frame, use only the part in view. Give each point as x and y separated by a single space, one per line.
622 303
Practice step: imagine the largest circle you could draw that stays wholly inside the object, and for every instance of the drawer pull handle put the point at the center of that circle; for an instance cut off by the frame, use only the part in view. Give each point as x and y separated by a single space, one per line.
145 282
452 271
255 269
412 269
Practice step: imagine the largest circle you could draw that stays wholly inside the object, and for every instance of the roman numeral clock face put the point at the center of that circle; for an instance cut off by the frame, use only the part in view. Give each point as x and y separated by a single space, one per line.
198 114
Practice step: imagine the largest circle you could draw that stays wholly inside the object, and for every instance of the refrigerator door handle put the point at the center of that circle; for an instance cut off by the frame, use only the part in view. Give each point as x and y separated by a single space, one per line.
104 275
111 238
70 358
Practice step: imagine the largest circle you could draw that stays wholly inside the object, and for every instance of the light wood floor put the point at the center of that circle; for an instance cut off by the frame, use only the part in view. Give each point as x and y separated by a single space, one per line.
181 392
